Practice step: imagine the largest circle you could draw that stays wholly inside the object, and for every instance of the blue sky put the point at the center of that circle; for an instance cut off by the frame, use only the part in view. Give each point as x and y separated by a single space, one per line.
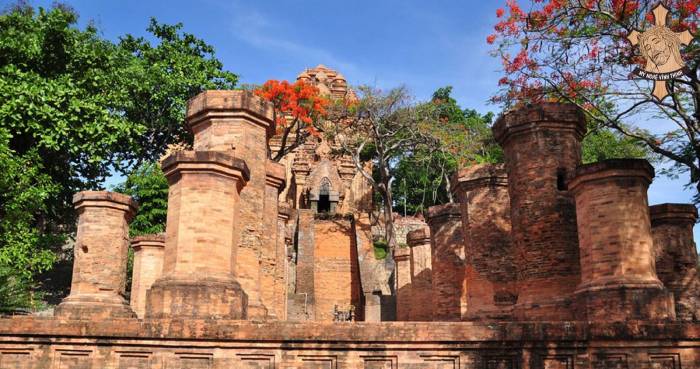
422 44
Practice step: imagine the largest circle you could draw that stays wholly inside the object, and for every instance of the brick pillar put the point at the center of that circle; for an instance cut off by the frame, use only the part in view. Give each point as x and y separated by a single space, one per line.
100 253
542 146
402 259
240 121
198 280
482 191
449 299
305 285
281 266
274 184
301 172
676 255
148 266
421 275
618 273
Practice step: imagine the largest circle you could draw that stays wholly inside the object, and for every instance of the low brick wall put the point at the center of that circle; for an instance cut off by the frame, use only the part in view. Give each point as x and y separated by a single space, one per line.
44 343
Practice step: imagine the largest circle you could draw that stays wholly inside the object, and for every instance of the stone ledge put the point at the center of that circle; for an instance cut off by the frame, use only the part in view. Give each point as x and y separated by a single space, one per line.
673 212
607 169
105 199
418 237
226 162
442 213
275 175
447 332
477 176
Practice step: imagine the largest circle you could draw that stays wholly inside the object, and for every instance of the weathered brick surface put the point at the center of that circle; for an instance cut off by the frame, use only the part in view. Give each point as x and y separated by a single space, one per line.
676 256
269 257
101 249
482 191
301 304
404 287
198 278
542 146
282 273
165 344
148 266
448 277
421 275
618 274
336 278
241 122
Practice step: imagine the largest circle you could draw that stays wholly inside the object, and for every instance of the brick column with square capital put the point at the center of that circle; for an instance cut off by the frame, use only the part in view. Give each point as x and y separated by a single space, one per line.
402 259
676 255
482 191
274 184
203 201
148 267
542 147
101 249
241 122
421 275
618 273
449 297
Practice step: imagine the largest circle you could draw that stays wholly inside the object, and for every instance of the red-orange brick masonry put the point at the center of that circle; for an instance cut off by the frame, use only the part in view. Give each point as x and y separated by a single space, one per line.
148 266
101 249
618 274
542 147
449 289
482 191
676 255
198 280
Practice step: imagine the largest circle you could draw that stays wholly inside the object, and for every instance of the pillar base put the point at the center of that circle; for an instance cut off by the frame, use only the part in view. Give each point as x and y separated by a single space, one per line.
196 299
622 302
93 307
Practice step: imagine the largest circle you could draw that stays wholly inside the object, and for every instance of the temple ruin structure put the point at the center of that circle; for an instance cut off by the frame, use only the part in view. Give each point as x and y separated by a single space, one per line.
541 263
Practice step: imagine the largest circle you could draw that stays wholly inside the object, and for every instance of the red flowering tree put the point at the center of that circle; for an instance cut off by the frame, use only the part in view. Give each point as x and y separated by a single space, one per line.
577 51
299 110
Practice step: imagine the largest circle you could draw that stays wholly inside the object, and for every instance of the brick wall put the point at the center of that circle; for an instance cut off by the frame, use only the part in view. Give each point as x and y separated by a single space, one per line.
421 275
336 278
132 344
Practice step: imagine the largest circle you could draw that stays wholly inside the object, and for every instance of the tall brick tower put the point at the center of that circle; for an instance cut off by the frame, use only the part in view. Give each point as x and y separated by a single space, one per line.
542 146
241 123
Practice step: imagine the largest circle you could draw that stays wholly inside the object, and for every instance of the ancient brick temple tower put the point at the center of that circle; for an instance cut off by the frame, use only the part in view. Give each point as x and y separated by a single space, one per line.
542 263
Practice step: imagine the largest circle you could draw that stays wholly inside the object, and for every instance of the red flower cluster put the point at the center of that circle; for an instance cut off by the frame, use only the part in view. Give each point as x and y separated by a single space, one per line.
294 102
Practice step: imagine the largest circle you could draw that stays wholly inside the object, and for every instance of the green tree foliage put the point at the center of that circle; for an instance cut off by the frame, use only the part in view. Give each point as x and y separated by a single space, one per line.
147 185
456 138
74 107
602 143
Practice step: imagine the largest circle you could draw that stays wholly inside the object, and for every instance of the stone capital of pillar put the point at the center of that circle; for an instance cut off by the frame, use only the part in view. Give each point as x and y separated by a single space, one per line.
284 212
226 104
442 213
402 254
275 175
639 169
479 176
418 237
106 199
550 116
673 213
206 162
148 241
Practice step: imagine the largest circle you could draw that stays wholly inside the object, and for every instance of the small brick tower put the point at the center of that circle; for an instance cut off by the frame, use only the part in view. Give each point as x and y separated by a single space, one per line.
449 291
482 191
198 279
542 146
618 274
101 248
148 267
676 255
